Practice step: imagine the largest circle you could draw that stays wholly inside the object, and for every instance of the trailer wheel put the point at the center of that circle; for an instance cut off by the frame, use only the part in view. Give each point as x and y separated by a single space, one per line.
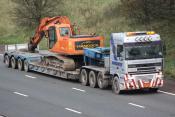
102 83
115 85
14 63
20 65
92 79
84 77
26 66
7 61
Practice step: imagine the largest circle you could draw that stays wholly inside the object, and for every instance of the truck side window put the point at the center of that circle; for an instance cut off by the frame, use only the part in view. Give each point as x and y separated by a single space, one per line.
119 50
52 37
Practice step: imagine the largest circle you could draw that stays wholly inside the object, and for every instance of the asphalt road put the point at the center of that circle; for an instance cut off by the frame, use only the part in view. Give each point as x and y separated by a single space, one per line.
35 95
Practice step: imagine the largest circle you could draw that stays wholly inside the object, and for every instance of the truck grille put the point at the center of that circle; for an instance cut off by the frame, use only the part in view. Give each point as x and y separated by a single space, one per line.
144 68
142 72
144 65
147 68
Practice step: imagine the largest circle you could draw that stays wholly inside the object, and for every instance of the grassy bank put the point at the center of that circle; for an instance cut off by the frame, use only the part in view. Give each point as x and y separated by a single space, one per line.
170 67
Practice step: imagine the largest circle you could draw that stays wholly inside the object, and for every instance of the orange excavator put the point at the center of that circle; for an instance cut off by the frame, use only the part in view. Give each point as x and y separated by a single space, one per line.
66 45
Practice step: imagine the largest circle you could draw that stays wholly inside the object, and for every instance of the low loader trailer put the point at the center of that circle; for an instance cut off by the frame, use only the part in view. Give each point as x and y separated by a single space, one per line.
133 61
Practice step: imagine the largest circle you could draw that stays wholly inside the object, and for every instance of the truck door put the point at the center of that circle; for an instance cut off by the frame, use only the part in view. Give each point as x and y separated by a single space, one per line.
52 37
117 57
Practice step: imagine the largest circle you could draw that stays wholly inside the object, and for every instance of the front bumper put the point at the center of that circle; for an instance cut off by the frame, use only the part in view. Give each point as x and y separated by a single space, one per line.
144 81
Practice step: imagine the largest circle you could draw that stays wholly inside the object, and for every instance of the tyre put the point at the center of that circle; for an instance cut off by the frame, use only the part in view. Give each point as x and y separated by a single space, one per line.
84 77
13 63
153 90
92 79
26 66
20 65
7 61
102 83
116 86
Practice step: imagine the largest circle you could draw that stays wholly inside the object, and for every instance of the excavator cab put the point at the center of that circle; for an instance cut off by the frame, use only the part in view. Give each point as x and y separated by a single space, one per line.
62 40
56 33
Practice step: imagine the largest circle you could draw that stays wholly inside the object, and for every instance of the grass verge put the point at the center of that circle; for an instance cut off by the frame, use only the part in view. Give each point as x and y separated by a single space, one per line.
170 68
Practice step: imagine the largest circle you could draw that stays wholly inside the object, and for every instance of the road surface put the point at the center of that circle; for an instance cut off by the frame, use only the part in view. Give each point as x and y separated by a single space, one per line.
35 95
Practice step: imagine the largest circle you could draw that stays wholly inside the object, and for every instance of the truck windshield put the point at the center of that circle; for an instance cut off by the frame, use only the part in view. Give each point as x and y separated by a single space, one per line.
143 52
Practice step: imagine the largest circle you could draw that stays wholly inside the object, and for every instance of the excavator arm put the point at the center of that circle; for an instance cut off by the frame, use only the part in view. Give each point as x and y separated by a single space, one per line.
44 25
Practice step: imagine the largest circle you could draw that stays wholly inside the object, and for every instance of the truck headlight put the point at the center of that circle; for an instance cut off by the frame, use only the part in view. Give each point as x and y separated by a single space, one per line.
160 73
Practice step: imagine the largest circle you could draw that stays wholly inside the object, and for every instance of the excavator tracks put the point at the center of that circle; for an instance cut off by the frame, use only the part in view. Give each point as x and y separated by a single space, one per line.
59 61
56 65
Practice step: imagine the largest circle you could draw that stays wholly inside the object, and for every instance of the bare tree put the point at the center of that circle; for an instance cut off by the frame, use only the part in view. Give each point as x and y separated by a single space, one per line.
28 13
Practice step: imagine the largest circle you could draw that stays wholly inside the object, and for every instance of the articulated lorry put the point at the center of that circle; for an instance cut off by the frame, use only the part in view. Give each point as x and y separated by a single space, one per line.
133 61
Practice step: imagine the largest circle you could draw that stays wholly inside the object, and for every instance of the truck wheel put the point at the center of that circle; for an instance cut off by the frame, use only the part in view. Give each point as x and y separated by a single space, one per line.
102 83
26 66
153 90
84 77
7 61
115 85
14 63
20 65
92 79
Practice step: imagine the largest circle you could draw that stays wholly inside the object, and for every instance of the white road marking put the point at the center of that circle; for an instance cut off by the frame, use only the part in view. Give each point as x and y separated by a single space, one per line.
73 111
79 89
1 54
20 94
30 76
166 92
136 105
